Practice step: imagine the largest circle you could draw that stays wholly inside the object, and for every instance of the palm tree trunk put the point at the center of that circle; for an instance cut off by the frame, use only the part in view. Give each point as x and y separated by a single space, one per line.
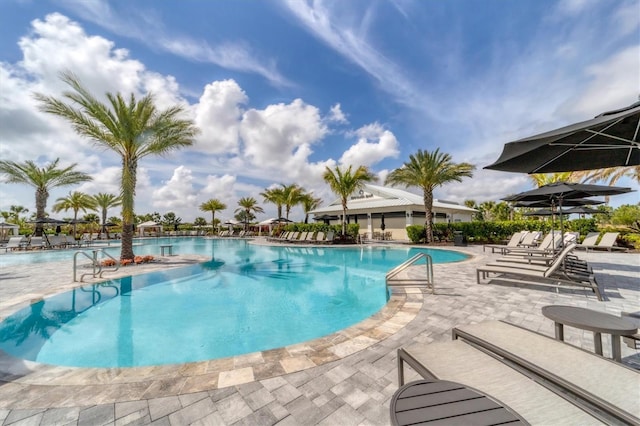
128 194
428 225
344 218
41 202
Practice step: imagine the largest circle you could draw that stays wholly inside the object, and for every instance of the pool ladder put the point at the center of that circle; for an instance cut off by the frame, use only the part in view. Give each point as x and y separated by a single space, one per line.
393 279
96 265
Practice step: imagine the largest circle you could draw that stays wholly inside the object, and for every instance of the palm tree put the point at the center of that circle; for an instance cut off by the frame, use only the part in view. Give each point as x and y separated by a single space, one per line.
248 205
428 170
75 201
613 174
42 179
132 128
309 203
541 179
274 196
213 205
292 195
104 202
345 183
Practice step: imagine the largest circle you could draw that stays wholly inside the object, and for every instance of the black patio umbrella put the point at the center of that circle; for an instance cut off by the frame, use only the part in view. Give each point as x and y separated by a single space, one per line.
557 193
610 139
382 225
571 210
49 221
566 203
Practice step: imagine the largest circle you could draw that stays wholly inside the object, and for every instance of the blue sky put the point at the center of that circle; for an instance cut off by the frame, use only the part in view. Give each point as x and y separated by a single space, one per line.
283 89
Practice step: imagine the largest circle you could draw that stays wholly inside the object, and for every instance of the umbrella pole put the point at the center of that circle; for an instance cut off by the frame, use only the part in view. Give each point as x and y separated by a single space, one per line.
561 225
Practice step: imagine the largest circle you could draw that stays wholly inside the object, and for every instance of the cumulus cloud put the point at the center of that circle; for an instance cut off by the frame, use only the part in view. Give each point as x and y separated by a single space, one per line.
178 193
218 115
374 144
281 135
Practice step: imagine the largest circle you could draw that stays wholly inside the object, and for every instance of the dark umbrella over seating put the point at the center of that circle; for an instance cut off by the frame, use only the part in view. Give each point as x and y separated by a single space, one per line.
557 193
571 210
610 139
566 203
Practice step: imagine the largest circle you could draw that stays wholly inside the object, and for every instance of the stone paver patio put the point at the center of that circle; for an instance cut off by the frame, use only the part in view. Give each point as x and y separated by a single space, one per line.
344 379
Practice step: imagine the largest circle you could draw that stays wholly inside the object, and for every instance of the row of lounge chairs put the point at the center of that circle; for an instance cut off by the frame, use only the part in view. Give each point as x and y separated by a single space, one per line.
241 234
546 267
528 240
310 237
48 242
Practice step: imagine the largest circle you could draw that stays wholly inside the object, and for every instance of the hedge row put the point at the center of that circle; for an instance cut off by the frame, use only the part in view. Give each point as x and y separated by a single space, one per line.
492 232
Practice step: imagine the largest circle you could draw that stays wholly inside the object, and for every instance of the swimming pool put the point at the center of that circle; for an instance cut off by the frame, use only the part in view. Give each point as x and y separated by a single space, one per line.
246 298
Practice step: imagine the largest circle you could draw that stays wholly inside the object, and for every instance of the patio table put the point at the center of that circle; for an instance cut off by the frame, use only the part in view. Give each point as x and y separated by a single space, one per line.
595 321
444 402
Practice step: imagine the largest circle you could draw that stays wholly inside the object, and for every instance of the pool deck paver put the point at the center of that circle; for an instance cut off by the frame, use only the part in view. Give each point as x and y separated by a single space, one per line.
344 379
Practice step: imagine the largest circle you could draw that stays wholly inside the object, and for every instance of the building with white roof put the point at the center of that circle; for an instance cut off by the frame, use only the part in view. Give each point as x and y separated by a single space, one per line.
380 209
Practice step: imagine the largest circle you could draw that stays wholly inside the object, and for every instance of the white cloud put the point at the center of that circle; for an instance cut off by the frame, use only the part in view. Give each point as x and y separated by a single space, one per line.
614 83
374 144
218 114
280 136
336 115
178 193
147 28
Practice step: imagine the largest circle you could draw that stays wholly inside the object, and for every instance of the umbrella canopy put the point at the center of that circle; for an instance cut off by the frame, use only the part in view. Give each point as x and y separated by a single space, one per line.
608 140
282 220
566 203
50 221
572 210
566 190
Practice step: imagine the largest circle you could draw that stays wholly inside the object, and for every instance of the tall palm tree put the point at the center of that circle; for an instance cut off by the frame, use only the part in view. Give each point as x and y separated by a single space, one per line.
132 128
292 197
75 201
248 205
428 170
104 202
42 179
345 183
213 205
274 196
309 202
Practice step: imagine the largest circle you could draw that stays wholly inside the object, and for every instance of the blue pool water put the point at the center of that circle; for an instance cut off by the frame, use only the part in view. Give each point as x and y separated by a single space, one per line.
246 298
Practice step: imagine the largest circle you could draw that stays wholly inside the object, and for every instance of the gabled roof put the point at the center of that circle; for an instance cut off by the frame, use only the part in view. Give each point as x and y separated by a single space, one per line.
381 197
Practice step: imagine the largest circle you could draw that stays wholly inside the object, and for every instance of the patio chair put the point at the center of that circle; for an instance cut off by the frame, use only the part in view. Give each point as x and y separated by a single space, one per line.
607 242
36 243
16 243
513 242
590 240
549 244
319 237
552 275
530 239
329 237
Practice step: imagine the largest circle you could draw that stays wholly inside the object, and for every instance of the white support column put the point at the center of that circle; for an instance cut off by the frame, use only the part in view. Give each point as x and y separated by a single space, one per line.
409 216
369 226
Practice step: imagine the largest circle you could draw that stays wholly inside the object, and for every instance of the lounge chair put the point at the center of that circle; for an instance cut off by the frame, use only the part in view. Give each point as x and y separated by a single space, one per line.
530 239
551 242
553 275
590 240
329 237
36 243
293 237
16 243
513 242
607 242
319 237
477 366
